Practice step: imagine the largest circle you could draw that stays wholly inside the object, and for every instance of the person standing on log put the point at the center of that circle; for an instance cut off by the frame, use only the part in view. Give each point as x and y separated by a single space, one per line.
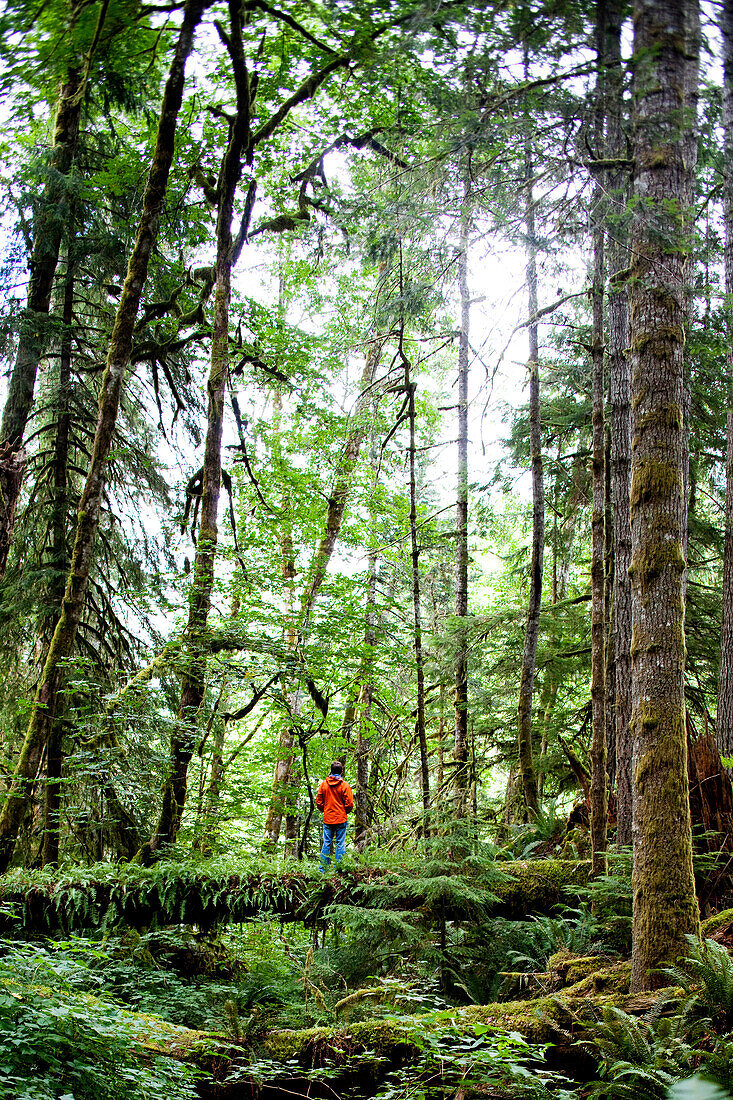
335 799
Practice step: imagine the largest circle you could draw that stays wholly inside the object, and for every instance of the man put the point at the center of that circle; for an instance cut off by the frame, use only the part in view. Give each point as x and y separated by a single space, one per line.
334 799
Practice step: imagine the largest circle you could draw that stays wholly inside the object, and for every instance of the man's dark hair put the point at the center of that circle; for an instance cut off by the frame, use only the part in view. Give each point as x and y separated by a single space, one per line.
337 768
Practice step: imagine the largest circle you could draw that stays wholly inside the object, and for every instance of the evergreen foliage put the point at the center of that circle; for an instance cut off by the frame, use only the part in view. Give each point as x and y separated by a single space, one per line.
404 168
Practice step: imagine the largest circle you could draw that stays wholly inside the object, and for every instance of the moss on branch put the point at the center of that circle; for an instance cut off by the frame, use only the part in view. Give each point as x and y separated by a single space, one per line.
141 897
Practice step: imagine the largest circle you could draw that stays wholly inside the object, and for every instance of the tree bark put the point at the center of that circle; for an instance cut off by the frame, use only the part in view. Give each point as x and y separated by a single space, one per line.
362 814
724 732
461 600
531 633
599 790
665 905
193 680
620 410
417 614
59 557
44 707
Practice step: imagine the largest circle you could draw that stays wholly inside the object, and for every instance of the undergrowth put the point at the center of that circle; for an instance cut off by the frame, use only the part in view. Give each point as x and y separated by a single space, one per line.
59 1045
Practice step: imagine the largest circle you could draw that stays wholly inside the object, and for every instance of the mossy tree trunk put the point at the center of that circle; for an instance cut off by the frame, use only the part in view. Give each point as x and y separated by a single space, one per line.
420 730
610 654
563 536
461 598
284 763
362 801
49 226
665 905
620 412
725 686
598 789
599 799
120 346
531 633
362 807
59 553
193 680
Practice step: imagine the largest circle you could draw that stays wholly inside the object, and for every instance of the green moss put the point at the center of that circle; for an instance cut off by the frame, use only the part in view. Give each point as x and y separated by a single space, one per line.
658 158
641 395
653 479
667 418
647 641
716 922
654 560
607 979
662 341
537 885
567 969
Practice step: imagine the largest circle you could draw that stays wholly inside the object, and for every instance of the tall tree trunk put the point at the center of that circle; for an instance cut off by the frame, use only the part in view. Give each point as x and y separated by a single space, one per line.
364 731
610 654
338 499
193 679
562 542
49 226
689 158
59 555
725 686
665 905
417 613
44 707
531 633
286 758
620 402
461 601
599 789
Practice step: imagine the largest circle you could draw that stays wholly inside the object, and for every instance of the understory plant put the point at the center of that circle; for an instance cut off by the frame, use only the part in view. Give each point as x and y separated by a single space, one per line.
60 1044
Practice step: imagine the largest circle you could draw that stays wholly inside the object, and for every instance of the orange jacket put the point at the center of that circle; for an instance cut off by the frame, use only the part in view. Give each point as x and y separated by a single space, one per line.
334 798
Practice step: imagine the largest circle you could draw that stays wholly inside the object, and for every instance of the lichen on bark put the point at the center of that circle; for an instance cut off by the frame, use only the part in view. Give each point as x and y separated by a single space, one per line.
664 901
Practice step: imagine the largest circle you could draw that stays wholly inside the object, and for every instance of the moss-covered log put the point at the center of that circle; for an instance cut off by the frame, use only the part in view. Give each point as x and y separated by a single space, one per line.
143 897
366 1049
374 1046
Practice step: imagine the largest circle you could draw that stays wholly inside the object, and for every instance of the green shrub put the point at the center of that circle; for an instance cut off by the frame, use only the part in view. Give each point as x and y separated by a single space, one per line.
58 1044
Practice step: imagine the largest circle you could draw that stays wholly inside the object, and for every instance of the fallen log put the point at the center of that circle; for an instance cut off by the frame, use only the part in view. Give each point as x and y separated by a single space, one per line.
275 1060
107 895
370 1048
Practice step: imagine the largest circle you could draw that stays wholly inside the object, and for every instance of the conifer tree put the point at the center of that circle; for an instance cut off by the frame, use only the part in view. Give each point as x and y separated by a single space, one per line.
665 904
44 707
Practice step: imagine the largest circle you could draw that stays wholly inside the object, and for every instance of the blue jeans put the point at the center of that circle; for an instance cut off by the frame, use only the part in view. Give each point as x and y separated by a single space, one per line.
333 834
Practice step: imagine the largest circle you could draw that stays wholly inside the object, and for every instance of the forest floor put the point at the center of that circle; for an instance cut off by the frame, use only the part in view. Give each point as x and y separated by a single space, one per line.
492 978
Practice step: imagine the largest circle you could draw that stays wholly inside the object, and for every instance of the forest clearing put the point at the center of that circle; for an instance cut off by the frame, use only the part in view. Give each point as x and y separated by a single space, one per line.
366 465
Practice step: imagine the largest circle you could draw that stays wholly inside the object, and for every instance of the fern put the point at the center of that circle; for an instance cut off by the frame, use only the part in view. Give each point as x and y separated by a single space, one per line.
706 976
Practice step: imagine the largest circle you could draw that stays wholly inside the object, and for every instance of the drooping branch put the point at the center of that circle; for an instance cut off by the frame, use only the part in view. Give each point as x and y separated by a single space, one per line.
118 358
193 675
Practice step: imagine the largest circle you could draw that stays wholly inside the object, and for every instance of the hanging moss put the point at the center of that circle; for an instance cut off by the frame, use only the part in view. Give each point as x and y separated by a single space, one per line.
653 479
661 341
667 418
661 157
